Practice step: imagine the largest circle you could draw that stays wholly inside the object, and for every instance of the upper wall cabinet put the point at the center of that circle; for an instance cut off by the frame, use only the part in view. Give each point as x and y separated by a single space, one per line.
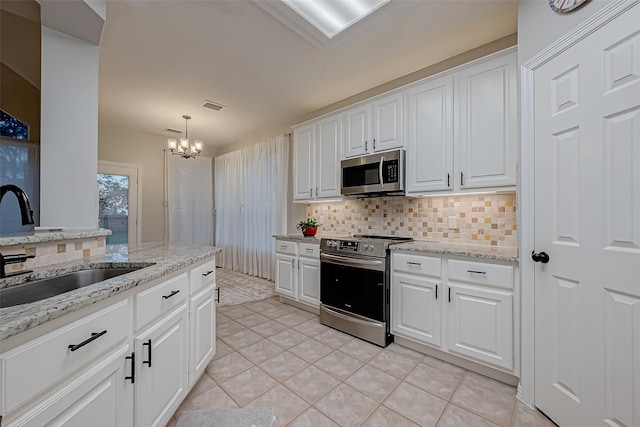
463 129
486 128
374 126
429 157
317 148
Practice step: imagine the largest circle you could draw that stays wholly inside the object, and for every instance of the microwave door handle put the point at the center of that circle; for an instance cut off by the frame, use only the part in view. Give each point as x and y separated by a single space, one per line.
380 171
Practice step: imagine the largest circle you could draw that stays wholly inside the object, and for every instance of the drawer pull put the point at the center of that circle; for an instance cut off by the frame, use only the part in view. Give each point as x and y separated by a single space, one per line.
309 249
148 343
283 246
133 367
436 291
94 336
207 273
449 294
171 294
218 297
413 263
476 272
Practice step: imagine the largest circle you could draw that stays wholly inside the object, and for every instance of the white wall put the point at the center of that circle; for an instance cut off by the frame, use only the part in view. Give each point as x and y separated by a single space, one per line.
69 131
539 26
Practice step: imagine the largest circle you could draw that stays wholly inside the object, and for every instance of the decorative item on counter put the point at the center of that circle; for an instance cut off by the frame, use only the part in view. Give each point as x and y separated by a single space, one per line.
309 226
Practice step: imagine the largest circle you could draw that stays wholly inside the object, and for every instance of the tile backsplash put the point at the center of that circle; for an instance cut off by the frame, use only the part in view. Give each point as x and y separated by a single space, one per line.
488 219
47 253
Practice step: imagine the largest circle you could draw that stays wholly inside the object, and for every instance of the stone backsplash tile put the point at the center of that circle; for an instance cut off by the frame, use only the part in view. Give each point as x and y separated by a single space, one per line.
488 219
54 252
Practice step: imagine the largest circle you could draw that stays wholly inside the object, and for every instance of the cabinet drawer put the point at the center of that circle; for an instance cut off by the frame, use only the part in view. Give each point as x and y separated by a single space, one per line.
202 276
310 250
284 247
417 264
159 299
31 368
500 276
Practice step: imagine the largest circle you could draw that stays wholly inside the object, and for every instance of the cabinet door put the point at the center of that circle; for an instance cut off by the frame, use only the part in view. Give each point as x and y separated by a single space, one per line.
304 162
100 397
328 147
309 281
202 331
388 122
416 308
486 113
481 324
162 369
357 131
285 279
430 139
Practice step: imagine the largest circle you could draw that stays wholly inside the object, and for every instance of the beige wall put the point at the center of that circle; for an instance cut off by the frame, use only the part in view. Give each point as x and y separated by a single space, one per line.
145 150
539 26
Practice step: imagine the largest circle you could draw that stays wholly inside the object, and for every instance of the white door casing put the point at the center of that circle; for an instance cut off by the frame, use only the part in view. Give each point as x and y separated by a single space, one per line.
586 127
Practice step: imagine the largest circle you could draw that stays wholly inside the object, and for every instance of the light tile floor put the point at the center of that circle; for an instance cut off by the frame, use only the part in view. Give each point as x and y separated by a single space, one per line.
237 288
275 355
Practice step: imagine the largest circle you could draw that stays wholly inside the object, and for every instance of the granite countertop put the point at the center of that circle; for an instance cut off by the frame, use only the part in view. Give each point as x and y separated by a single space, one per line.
52 236
158 259
446 248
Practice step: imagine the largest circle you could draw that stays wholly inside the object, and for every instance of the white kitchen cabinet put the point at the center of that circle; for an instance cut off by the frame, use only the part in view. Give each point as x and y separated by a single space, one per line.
129 363
162 369
309 280
486 123
429 159
100 396
317 147
459 306
202 329
374 126
417 307
285 277
298 272
480 324
304 162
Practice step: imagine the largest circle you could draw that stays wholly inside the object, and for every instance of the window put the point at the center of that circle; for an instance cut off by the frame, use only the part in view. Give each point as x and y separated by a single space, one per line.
12 127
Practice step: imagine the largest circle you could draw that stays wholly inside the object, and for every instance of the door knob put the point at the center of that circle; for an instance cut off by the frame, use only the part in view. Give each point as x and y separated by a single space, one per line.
542 257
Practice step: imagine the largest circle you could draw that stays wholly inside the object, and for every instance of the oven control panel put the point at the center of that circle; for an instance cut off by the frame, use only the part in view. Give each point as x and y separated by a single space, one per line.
349 246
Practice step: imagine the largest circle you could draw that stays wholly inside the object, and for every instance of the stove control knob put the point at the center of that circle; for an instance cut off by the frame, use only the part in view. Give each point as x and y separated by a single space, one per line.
370 247
332 244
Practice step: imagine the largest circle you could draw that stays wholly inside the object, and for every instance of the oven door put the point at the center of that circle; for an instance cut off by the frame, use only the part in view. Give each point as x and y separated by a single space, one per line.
355 285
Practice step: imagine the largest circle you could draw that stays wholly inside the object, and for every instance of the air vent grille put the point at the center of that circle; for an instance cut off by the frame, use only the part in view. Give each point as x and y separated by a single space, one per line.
212 105
172 130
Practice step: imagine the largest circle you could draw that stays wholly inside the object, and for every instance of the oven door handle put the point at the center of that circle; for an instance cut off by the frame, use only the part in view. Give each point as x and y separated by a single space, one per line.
352 318
366 263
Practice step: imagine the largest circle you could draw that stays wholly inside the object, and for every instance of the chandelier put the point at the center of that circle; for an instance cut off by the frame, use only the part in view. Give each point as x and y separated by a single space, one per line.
185 149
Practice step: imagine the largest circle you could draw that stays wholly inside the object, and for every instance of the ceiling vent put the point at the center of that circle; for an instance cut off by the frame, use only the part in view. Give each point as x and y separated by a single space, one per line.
172 130
212 105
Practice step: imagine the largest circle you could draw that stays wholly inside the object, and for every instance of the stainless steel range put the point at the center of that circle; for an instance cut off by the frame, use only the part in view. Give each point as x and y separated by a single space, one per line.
355 286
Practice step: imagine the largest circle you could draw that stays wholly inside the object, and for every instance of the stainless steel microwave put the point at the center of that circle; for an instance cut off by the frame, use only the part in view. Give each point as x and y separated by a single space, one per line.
380 174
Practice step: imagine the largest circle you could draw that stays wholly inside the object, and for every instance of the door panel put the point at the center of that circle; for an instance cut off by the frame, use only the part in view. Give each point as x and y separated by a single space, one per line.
587 205
285 284
388 122
329 146
309 281
357 130
417 308
304 162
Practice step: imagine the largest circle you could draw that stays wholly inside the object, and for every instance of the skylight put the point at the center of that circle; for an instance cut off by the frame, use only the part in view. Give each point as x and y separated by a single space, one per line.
333 16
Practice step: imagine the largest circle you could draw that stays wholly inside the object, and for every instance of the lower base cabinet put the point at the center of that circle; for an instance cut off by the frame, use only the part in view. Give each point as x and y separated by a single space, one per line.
467 310
298 272
132 362
101 396
162 369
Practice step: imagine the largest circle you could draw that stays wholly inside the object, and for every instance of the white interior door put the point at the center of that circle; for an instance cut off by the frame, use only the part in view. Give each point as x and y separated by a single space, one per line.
119 202
587 219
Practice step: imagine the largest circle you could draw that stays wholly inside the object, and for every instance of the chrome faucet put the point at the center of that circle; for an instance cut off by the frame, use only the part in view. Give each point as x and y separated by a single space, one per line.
23 201
13 259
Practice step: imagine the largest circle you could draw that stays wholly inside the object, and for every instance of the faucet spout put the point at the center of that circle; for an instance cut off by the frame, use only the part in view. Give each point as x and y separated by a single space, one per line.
23 201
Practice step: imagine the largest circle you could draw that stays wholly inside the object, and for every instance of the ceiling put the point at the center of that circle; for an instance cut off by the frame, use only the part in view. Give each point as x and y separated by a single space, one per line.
162 59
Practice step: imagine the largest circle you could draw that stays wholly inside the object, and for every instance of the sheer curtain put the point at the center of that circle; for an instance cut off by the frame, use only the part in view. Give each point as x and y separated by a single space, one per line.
189 200
251 205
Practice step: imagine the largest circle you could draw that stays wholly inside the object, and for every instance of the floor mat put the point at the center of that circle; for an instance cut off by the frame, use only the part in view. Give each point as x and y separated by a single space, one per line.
244 417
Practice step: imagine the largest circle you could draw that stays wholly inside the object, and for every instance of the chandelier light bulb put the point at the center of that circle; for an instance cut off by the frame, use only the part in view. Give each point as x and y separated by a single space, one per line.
173 144
198 146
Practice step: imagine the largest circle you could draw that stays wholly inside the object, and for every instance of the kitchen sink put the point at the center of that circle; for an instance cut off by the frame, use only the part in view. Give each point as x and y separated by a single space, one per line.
47 288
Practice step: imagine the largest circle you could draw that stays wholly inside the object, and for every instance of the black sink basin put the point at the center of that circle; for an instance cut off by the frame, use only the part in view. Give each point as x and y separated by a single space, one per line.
47 288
